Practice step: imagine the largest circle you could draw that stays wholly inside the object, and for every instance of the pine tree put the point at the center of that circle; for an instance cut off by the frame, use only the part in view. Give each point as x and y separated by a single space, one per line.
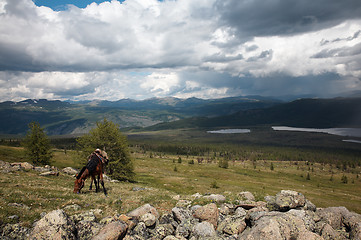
107 136
37 145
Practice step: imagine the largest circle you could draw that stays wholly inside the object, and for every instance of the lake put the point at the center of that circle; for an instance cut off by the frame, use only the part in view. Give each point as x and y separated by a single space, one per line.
349 132
227 131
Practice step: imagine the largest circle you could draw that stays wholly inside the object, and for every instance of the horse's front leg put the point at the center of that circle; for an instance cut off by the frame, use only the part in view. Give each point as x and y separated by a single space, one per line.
102 182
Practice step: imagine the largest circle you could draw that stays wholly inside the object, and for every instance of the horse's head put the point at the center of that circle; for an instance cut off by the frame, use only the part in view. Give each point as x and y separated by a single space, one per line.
78 185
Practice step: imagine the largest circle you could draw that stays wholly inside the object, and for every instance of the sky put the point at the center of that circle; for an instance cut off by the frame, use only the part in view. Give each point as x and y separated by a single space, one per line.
139 49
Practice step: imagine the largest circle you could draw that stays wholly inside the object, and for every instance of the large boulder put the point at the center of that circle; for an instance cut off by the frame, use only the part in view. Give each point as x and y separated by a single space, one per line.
147 208
275 225
286 200
180 214
203 230
54 225
112 231
209 213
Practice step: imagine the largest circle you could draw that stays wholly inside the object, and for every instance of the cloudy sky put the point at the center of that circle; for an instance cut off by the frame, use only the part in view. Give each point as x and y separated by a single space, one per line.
78 50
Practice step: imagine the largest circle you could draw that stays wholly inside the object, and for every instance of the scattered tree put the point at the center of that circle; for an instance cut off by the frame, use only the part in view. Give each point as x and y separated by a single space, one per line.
37 145
272 167
344 179
108 137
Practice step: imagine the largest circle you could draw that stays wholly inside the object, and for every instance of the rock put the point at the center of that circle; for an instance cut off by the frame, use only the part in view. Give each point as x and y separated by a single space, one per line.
147 208
161 231
181 214
23 165
352 221
70 171
112 231
328 233
19 205
55 224
208 213
87 229
50 173
168 218
333 216
240 212
74 207
306 217
140 230
274 225
42 169
310 206
183 203
232 225
248 196
15 231
286 200
13 218
148 219
204 229
215 198
196 196
85 216
185 228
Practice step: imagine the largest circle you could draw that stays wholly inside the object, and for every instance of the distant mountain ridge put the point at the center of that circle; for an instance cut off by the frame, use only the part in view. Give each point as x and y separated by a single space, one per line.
313 113
59 117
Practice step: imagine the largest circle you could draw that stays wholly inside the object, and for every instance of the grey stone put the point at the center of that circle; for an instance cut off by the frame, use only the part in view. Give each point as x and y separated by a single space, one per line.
87 229
85 216
204 229
74 207
181 214
215 198
56 224
247 196
15 231
70 171
148 219
185 228
161 231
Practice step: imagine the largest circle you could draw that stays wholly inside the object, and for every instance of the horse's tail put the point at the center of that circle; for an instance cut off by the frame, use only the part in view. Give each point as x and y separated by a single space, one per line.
80 173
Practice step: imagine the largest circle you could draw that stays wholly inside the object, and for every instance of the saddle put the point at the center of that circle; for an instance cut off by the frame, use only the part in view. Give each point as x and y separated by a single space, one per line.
91 165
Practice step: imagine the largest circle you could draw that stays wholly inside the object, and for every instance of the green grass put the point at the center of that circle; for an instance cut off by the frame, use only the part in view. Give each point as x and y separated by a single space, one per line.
250 171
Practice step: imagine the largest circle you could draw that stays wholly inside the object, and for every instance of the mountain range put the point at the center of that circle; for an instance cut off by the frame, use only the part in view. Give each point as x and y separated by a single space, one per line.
64 117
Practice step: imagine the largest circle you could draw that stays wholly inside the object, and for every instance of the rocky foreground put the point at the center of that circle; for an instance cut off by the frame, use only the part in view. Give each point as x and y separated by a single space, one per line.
287 215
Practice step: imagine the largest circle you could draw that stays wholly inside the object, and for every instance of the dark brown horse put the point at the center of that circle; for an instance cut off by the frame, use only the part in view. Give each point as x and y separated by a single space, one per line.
93 169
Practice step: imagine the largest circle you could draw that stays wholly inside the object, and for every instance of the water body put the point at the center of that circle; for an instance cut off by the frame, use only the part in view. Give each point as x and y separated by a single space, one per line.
349 132
227 131
351 141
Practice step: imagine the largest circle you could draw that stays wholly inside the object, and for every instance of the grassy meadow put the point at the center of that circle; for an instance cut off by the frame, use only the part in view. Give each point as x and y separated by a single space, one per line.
171 163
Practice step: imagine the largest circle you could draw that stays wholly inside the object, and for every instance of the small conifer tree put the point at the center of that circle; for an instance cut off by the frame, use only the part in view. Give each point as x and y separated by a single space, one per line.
107 136
37 145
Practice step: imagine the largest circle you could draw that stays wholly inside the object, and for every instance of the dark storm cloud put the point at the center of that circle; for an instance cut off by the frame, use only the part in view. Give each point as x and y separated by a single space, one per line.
284 17
339 52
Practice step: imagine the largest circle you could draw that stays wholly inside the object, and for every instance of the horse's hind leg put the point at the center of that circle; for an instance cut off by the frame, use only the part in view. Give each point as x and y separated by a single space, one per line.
91 185
102 182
